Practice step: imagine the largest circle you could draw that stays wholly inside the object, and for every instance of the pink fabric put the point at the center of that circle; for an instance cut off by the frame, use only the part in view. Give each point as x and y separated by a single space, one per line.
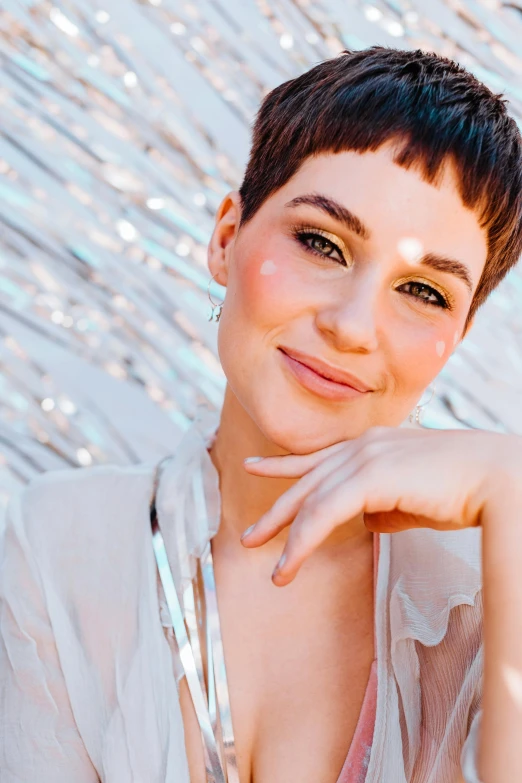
356 764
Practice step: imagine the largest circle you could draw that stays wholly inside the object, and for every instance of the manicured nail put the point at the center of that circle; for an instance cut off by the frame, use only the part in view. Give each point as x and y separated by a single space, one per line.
253 459
279 565
247 532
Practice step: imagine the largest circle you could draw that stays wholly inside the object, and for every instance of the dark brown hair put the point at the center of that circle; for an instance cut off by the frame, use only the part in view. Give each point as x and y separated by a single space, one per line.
434 108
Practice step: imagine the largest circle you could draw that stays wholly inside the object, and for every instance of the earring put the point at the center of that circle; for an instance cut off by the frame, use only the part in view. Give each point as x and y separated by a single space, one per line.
215 312
415 416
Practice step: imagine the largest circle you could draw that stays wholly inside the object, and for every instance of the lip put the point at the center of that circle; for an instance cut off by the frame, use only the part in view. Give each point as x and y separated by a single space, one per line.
321 378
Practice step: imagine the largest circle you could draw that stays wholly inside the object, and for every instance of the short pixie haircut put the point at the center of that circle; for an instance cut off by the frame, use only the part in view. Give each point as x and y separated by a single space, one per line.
436 111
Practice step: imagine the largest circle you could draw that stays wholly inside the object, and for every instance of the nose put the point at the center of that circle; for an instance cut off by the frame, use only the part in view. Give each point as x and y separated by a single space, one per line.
347 317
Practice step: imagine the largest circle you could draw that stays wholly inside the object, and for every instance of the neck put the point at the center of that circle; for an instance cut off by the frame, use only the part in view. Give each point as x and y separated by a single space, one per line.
245 498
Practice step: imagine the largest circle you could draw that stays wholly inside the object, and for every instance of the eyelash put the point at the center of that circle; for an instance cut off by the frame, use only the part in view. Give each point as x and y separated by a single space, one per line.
441 301
302 235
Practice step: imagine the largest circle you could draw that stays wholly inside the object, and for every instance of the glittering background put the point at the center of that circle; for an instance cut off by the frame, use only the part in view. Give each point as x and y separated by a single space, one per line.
122 125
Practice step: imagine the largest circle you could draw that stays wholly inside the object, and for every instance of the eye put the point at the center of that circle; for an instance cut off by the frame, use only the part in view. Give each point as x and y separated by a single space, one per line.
425 294
320 245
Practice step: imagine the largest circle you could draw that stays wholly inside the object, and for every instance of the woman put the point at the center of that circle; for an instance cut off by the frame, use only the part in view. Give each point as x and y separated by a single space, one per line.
381 205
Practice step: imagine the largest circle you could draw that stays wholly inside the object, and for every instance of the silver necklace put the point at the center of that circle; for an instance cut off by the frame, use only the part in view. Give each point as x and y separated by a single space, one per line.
197 632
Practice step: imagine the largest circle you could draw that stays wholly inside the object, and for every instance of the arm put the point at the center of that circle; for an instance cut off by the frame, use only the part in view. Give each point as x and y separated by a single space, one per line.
39 739
500 736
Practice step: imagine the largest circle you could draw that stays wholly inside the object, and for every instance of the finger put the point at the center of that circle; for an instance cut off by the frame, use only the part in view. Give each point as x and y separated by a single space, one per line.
288 504
338 467
318 517
296 465
293 465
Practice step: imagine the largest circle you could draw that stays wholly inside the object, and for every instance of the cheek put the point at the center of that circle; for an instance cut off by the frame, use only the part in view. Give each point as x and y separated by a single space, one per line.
423 352
267 289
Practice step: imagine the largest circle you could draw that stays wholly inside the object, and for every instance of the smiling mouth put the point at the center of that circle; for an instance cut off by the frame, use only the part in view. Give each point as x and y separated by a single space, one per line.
310 375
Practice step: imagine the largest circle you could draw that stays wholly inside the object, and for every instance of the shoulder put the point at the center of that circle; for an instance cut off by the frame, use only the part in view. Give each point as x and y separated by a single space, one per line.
75 504
84 536
74 483
77 543
79 612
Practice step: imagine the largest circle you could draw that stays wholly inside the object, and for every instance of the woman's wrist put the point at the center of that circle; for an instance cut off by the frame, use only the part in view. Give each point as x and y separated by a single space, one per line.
499 465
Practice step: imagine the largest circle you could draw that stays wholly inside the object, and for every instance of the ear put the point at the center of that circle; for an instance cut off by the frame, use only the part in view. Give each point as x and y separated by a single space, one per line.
220 247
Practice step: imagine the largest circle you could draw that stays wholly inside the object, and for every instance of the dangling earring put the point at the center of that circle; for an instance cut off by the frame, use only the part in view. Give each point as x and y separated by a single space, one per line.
415 416
215 312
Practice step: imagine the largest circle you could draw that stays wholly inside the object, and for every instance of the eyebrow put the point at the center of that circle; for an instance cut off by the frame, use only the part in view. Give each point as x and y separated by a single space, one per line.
343 215
450 266
335 210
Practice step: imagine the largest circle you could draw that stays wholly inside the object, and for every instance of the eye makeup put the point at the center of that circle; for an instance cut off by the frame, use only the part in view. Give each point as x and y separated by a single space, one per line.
303 234
442 299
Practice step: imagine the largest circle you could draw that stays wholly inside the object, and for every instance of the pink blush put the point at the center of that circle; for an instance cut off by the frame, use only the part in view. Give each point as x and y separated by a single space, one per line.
440 347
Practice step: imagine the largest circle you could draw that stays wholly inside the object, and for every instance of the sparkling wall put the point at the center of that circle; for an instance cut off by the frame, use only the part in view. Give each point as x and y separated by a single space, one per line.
122 125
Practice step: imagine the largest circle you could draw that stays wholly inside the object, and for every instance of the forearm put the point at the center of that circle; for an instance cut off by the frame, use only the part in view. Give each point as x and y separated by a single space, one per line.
500 746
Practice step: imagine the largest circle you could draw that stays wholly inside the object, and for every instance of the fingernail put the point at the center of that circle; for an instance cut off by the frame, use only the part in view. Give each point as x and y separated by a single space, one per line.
247 532
253 459
279 565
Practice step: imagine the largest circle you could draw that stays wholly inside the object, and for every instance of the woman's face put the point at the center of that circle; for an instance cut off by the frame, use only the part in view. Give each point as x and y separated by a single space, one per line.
355 262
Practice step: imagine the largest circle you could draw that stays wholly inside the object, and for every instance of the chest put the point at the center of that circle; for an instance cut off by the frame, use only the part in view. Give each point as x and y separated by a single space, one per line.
297 670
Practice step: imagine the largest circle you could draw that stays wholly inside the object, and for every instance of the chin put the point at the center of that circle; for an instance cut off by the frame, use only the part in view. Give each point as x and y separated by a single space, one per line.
298 430
301 428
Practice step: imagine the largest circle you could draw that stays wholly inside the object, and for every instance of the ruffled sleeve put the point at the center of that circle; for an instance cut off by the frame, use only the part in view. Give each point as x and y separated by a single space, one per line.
39 739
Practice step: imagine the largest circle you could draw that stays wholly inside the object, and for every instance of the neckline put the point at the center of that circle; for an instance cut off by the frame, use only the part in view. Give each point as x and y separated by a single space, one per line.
353 761
208 429
190 473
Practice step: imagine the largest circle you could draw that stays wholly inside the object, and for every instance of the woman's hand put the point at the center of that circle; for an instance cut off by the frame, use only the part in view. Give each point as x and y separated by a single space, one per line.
443 479
397 478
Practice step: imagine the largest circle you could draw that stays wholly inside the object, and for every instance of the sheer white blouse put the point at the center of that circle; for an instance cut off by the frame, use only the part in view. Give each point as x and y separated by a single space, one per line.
89 668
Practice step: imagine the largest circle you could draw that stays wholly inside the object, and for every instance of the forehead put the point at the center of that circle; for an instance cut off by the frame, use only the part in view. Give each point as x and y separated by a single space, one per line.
394 202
